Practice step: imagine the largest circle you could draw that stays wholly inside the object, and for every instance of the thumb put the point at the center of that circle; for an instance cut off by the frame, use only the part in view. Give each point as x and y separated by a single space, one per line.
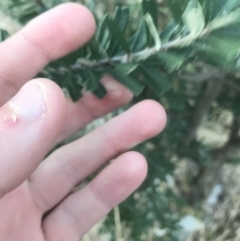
29 126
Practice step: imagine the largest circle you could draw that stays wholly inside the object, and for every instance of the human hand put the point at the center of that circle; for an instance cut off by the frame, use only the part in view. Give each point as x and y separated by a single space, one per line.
36 198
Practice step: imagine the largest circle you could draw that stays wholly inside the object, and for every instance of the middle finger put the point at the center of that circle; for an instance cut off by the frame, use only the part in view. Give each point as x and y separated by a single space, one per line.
71 164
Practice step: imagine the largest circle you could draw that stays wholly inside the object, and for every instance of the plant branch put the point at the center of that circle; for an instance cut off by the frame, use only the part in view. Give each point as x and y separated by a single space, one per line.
201 77
148 52
210 176
212 91
118 225
127 58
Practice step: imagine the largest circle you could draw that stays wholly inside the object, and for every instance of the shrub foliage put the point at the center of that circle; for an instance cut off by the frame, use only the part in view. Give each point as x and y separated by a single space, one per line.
185 54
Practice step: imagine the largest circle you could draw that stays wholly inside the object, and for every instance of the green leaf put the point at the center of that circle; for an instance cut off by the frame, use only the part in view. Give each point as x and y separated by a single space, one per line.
139 40
187 37
3 35
227 47
97 51
168 31
151 7
229 6
175 7
172 61
73 88
217 8
127 81
82 52
103 33
88 79
117 37
210 10
91 5
231 31
122 18
94 48
225 20
65 80
100 92
193 19
155 80
224 52
92 81
126 69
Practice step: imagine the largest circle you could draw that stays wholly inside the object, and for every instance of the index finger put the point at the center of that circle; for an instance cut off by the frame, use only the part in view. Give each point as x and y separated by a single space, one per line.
46 38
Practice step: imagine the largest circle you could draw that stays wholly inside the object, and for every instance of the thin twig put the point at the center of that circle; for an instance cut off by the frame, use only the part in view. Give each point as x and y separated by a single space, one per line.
118 225
129 58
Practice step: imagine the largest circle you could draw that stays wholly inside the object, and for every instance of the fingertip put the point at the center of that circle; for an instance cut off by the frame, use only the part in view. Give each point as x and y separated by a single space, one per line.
121 178
66 28
82 12
49 36
50 88
134 167
152 116
116 90
32 118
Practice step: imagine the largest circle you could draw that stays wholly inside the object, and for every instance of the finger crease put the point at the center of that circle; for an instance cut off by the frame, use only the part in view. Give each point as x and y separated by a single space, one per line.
38 47
39 199
8 87
111 143
69 171
74 220
88 110
99 197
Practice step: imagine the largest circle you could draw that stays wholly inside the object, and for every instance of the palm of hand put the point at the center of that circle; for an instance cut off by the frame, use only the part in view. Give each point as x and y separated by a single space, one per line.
36 198
20 216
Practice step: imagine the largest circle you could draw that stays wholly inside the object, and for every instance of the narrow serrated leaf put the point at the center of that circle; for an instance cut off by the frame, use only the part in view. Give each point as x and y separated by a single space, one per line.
155 80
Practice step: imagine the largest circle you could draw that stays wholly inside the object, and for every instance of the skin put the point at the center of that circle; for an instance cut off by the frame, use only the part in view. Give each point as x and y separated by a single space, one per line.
36 198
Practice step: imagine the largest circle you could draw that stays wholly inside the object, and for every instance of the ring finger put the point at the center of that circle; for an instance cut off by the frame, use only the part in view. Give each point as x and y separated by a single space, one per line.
83 209
73 163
